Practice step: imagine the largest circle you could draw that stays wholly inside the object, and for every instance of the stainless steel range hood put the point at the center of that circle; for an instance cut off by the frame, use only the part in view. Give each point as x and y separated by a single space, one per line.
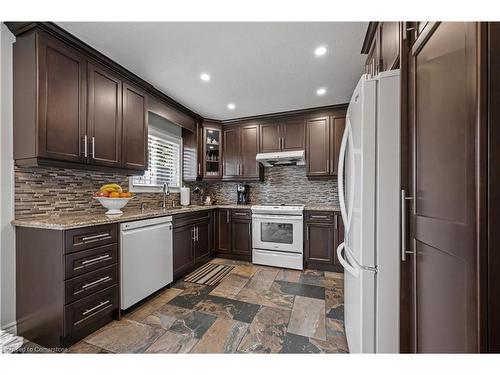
270 159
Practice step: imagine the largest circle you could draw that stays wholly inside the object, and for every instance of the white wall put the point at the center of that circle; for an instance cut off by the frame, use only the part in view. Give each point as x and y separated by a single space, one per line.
7 233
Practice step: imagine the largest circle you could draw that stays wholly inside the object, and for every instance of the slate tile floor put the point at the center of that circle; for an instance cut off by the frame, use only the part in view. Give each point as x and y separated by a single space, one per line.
255 309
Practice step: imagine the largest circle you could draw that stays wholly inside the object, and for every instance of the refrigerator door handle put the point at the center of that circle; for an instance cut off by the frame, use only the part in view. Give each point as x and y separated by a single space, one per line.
340 175
346 212
340 251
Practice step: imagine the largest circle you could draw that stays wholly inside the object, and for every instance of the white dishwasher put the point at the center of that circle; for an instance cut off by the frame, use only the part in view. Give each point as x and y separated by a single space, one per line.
146 263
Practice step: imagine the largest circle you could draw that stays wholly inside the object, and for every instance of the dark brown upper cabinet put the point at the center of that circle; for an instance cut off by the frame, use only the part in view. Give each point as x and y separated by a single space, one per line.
134 128
382 45
70 111
287 135
212 151
389 45
323 139
192 153
249 167
270 137
49 100
104 122
231 152
241 145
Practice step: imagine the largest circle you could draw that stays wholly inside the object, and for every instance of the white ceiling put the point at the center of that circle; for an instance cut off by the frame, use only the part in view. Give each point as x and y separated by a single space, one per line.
260 67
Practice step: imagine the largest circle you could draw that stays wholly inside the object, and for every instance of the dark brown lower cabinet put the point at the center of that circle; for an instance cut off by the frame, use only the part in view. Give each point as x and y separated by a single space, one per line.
67 283
223 231
241 231
192 242
324 231
234 233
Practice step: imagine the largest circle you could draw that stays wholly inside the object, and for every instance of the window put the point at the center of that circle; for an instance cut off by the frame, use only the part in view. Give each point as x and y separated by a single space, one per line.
164 164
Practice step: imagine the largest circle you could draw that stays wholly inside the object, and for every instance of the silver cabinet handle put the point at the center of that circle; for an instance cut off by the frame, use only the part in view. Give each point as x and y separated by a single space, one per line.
93 283
227 216
193 238
328 165
307 233
319 217
93 147
101 304
93 260
197 233
404 198
96 237
85 146
199 168
239 214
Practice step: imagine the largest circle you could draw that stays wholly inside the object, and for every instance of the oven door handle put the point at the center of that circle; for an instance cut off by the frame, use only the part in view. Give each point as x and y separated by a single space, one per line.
279 217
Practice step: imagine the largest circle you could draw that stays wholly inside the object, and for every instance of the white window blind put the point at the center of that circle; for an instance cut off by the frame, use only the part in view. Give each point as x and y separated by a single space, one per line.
164 164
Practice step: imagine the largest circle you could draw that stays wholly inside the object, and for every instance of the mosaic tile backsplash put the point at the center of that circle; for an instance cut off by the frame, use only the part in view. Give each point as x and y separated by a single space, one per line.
44 191
282 184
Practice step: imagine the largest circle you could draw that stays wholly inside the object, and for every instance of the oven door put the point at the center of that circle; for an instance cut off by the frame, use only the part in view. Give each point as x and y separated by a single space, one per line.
277 232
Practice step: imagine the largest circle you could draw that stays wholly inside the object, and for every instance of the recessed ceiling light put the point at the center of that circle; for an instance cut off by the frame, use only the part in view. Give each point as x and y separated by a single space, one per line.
320 51
231 106
205 77
321 91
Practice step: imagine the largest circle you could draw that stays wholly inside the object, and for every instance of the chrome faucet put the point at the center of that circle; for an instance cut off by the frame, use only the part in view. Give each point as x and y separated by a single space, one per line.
166 193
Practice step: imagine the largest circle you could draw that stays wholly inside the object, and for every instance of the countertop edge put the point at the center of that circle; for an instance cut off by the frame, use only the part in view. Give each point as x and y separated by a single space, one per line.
41 224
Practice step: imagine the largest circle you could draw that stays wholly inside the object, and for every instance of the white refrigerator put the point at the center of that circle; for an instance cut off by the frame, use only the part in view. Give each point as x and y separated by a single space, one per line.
369 195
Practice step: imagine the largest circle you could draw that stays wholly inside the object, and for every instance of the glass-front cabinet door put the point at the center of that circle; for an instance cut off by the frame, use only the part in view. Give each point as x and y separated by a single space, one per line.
212 160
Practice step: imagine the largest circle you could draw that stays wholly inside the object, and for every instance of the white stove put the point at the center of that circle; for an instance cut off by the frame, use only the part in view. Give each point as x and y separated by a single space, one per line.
282 209
277 238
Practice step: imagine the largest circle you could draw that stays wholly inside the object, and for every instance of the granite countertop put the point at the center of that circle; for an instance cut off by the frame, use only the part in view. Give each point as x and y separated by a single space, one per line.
71 221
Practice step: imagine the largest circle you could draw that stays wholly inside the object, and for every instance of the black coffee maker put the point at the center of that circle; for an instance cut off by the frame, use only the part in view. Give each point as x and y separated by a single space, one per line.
243 192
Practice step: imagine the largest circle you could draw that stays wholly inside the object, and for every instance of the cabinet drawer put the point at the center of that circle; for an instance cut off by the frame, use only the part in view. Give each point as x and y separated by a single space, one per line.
90 309
241 214
90 260
320 216
84 285
86 238
190 218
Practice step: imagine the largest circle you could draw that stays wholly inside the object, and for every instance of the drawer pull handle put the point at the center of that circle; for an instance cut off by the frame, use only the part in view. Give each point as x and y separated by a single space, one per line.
94 283
239 214
101 304
319 217
96 237
93 260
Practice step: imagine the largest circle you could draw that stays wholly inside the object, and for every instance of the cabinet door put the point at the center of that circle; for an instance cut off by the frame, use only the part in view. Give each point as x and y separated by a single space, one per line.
270 140
104 117
62 98
336 132
212 139
319 243
223 231
191 159
241 232
249 168
293 135
135 129
231 152
183 249
202 244
389 45
318 147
